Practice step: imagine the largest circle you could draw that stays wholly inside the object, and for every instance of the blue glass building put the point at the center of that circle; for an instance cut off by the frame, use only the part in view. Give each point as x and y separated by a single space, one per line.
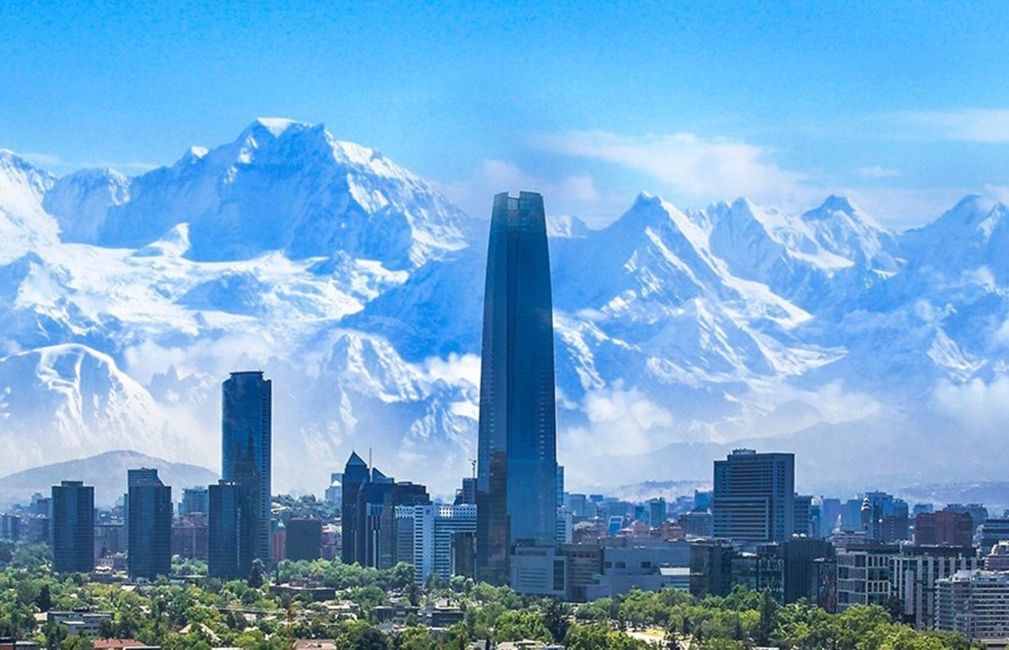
149 525
73 527
246 434
517 456
224 517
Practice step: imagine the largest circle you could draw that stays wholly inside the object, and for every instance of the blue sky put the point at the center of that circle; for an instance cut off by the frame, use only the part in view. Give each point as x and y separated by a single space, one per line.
903 106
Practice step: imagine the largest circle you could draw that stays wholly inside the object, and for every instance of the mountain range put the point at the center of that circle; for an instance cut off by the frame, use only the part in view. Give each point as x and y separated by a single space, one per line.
879 357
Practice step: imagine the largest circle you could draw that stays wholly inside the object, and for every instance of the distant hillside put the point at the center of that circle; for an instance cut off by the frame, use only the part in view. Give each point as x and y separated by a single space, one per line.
107 472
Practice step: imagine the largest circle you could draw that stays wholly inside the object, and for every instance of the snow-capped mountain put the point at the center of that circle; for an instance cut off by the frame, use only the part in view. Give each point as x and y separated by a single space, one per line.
125 301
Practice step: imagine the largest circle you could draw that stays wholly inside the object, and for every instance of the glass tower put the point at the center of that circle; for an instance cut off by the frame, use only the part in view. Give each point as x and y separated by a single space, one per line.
73 527
517 456
246 440
149 525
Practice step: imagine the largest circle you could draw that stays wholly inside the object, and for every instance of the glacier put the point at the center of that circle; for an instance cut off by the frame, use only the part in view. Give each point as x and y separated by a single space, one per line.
124 301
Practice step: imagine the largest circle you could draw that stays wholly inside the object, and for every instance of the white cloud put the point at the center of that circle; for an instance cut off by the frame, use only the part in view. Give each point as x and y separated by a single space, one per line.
966 124
978 406
688 164
620 421
875 171
455 370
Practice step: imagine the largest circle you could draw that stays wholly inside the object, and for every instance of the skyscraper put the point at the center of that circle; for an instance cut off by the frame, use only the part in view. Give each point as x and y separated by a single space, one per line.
73 527
355 474
149 525
246 454
224 516
754 497
517 462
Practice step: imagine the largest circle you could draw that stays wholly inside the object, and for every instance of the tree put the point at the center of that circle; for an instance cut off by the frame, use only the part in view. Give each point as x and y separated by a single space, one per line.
768 616
44 601
555 617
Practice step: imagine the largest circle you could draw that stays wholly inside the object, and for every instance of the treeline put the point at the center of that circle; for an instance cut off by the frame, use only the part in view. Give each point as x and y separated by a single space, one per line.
215 613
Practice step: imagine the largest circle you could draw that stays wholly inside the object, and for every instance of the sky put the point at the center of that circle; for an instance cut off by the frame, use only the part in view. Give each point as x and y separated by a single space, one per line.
902 106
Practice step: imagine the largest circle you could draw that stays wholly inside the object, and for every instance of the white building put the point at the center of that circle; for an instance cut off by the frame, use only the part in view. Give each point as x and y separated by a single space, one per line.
974 603
433 529
915 571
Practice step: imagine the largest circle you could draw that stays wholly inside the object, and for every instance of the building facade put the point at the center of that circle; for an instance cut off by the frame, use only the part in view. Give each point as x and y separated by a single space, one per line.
915 571
246 437
517 463
73 527
754 497
149 525
974 603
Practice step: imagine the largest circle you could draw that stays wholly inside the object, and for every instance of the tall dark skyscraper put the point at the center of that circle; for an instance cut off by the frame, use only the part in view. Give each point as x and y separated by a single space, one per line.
246 433
223 517
73 527
149 525
517 459
355 474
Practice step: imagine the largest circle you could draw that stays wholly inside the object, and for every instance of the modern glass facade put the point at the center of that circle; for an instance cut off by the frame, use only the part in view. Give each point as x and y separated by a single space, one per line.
223 517
517 462
247 437
73 527
149 525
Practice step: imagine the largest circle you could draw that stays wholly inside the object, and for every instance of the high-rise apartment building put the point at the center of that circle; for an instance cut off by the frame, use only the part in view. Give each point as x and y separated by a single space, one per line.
246 434
974 603
914 572
73 527
436 529
754 497
517 463
149 525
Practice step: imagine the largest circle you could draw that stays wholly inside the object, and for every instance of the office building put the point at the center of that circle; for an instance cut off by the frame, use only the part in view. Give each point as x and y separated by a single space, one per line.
754 497
884 518
303 539
355 474
760 570
73 527
865 575
375 529
436 529
711 568
517 463
800 557
803 519
648 567
149 525
467 493
657 512
334 492
993 531
915 571
246 437
191 536
943 527
974 603
830 516
538 570
223 539
194 499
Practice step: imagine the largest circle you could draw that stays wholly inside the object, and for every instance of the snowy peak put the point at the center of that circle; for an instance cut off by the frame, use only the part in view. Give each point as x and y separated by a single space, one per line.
81 200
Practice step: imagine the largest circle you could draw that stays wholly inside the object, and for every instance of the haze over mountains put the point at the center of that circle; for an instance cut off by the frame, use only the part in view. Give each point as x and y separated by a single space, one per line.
879 357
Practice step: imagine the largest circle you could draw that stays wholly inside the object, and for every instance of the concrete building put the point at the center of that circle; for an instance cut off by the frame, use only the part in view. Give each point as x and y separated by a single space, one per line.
73 527
943 527
190 536
993 531
997 558
865 575
914 572
435 530
974 603
754 497
538 571
800 556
